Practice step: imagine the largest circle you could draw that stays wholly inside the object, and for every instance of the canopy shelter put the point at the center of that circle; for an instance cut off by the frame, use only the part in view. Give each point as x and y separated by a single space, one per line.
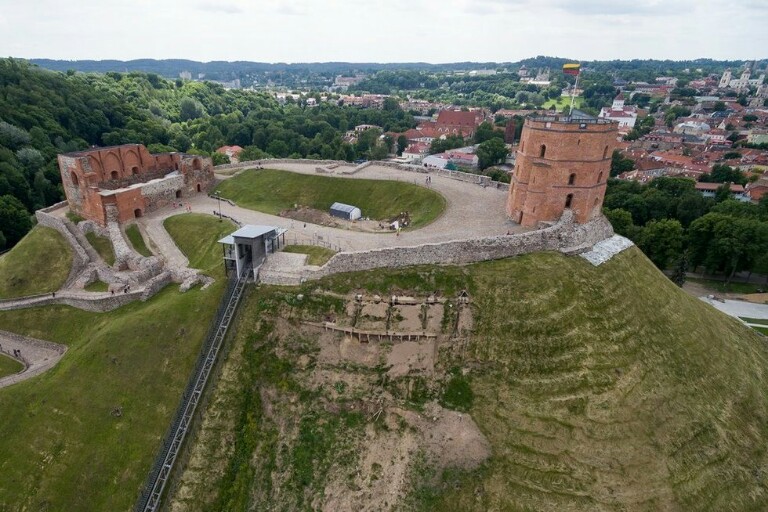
345 211
249 246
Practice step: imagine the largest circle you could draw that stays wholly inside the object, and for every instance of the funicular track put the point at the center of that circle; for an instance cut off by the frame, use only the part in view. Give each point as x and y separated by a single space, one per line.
149 500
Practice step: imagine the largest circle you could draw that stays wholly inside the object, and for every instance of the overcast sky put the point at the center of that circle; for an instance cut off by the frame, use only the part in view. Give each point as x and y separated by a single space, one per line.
383 31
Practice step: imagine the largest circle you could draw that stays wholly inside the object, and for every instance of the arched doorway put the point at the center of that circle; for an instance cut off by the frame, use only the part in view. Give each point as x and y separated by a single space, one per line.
114 175
178 194
137 213
135 170
199 188
196 164
568 200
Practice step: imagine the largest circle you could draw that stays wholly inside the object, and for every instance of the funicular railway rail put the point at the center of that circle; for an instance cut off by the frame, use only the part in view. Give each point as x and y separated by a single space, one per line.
149 500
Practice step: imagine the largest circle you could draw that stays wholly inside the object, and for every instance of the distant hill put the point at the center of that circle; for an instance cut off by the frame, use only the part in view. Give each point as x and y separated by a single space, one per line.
227 70
172 67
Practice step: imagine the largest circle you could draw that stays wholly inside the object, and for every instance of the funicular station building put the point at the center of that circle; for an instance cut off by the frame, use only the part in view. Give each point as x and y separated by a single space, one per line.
121 183
248 247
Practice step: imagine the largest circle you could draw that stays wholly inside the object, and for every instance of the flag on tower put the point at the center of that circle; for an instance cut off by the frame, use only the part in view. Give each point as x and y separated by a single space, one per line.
571 69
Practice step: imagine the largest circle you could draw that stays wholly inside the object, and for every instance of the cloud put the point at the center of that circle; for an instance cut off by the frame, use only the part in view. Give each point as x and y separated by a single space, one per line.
220 7
622 7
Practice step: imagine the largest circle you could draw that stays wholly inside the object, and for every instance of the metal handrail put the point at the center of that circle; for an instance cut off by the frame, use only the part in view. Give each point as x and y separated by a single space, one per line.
149 500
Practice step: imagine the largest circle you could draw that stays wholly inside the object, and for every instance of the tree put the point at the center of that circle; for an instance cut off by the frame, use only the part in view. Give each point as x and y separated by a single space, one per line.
14 218
402 143
719 106
190 109
681 268
662 241
621 221
491 152
486 131
620 163
219 158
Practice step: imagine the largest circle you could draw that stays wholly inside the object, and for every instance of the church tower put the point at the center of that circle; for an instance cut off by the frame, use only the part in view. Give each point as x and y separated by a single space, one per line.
562 163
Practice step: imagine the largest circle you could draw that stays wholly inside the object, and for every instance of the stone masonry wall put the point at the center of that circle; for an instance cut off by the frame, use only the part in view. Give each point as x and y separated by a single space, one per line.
80 258
563 236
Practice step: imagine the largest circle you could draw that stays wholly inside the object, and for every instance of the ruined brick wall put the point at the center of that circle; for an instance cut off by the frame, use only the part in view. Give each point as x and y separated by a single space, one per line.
561 163
123 169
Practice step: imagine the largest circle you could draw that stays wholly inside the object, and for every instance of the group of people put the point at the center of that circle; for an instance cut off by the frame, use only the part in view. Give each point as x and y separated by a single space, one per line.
186 206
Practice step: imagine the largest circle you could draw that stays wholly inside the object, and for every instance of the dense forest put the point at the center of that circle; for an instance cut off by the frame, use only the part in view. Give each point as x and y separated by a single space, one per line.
680 230
44 113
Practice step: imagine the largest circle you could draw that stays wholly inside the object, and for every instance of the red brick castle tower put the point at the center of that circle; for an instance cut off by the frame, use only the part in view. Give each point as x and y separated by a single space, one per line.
562 163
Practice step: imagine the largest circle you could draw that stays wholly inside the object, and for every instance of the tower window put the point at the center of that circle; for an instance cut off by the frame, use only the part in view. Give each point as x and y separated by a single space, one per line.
542 151
572 178
605 152
600 177
114 175
75 181
568 200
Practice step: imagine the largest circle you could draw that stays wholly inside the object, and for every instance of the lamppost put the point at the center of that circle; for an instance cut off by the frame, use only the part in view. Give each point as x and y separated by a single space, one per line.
218 196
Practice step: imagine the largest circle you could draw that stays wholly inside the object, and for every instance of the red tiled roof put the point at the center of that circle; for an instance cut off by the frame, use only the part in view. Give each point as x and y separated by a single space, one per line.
459 117
712 187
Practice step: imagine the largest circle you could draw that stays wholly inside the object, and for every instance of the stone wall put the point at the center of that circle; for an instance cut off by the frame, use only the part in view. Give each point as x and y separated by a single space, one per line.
95 304
80 258
565 236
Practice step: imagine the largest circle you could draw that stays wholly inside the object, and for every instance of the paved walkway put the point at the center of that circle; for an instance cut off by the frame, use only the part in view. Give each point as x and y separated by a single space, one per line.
738 308
37 356
471 212
160 241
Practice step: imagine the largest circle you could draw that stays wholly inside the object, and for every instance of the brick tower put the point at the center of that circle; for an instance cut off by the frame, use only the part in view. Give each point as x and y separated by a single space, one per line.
562 162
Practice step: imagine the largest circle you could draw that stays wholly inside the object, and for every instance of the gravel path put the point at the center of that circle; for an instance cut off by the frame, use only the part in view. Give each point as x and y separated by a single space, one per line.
471 212
36 355
160 241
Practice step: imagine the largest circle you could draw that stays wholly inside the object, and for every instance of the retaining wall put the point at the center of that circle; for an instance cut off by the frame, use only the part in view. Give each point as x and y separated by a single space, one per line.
80 258
564 237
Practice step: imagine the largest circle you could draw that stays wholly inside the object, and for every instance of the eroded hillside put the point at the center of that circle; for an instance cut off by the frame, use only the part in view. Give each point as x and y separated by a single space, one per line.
550 384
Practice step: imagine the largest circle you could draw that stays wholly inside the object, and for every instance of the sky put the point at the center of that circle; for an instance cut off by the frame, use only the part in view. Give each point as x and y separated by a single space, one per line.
433 31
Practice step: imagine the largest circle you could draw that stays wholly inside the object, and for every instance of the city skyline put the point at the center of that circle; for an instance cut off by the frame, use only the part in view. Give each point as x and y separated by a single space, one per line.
398 31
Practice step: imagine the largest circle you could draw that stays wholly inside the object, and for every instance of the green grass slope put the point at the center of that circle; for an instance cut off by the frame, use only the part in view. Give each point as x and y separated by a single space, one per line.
316 255
610 389
272 191
83 435
601 388
9 366
39 263
197 236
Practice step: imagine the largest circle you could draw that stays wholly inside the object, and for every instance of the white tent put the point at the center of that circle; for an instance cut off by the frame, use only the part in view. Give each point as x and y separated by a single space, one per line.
345 211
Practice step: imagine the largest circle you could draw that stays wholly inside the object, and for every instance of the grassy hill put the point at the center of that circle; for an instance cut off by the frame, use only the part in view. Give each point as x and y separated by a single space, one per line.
595 388
82 436
272 191
40 263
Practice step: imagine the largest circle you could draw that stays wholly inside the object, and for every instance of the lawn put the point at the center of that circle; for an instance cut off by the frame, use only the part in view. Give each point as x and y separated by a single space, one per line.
272 191
97 286
761 321
9 366
563 102
39 263
720 286
197 236
103 246
317 255
137 241
83 435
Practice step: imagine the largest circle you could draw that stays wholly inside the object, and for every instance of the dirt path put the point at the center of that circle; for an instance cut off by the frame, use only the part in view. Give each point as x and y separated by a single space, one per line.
37 356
